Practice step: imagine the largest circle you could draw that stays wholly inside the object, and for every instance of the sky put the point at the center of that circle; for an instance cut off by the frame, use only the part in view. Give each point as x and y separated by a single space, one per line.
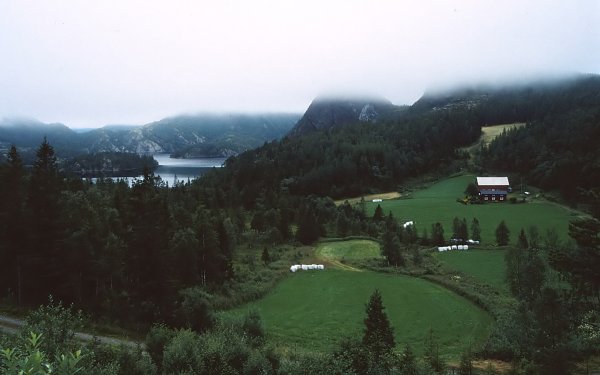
91 63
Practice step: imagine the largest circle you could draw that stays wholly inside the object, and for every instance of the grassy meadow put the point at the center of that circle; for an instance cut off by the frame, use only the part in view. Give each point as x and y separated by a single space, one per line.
438 204
313 310
348 250
487 266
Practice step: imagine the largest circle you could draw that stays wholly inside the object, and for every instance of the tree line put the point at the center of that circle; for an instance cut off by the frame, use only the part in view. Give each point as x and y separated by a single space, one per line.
122 251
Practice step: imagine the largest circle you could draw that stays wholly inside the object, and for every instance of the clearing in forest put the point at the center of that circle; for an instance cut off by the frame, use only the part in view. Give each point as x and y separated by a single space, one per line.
437 203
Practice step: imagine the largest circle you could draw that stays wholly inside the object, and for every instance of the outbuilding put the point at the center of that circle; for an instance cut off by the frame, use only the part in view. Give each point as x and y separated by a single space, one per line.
493 189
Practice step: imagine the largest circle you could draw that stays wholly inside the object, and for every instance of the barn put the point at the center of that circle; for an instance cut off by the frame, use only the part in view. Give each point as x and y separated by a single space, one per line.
493 189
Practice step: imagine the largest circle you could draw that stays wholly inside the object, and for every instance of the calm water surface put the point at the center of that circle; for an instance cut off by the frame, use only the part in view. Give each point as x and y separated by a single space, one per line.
176 170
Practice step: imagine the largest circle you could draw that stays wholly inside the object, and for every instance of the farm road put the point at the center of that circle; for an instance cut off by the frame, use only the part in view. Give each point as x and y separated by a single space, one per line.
11 326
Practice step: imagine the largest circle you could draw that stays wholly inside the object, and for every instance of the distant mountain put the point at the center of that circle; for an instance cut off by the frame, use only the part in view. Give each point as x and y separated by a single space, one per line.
28 133
326 113
204 135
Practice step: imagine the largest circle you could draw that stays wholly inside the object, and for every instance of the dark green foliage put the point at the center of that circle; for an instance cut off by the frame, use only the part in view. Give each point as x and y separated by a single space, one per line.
13 232
378 215
108 164
502 234
309 229
195 310
466 363
56 324
265 257
408 362
522 242
157 339
378 337
391 248
475 230
460 230
431 356
437 234
472 190
554 150
579 265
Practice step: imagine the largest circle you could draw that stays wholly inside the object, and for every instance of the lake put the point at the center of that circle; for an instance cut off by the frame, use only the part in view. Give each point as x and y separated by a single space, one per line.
173 170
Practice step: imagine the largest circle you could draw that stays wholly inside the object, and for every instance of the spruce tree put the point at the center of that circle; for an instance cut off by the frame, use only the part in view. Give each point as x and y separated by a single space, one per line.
475 230
437 234
502 234
379 336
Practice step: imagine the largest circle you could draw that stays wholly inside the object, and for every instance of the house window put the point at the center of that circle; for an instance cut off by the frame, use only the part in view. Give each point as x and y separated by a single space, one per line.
486 197
493 197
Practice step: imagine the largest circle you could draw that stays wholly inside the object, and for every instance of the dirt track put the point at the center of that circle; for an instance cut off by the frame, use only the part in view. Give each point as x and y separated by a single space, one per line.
11 326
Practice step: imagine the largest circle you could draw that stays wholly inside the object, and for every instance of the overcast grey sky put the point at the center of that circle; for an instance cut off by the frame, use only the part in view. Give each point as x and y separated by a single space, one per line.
90 63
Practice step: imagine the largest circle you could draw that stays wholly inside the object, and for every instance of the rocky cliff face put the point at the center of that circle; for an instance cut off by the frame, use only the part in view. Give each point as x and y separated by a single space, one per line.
327 113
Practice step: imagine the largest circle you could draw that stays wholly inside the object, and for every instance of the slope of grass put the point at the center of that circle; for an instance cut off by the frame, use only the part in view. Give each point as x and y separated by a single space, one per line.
349 250
487 266
438 204
313 310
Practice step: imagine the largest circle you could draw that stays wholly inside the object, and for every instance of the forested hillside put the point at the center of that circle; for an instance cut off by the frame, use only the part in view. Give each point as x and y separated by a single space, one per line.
364 157
557 150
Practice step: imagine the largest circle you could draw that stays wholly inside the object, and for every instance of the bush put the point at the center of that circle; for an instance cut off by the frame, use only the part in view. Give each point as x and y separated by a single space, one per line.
195 310
156 340
56 324
181 354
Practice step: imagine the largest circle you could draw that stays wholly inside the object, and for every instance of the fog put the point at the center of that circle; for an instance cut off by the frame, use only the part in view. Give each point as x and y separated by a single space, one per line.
87 64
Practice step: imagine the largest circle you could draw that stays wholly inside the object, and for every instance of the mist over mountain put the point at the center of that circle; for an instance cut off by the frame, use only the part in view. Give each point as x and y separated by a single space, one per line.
203 135
330 112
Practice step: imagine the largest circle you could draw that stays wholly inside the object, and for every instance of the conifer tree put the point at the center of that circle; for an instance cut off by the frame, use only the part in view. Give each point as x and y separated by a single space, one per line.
379 336
502 234
475 230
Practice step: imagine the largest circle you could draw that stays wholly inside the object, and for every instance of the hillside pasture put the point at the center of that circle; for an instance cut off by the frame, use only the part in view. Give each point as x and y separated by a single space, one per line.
437 203
312 311
370 197
348 250
488 133
486 266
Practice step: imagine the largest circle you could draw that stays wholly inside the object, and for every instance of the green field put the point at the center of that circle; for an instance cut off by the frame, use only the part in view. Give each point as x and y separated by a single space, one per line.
349 250
313 310
438 204
487 266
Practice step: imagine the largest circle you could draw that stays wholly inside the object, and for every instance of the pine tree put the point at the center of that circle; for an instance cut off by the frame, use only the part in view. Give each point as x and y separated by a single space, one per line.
379 336
475 230
13 232
378 215
502 234
265 257
437 234
408 362
432 353
522 241
391 248
43 267
308 228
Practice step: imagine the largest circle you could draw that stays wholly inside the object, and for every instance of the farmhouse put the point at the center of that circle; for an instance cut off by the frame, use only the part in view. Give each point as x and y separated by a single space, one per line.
493 189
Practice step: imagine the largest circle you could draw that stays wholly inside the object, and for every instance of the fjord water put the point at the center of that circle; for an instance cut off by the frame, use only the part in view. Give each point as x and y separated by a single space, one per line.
174 170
